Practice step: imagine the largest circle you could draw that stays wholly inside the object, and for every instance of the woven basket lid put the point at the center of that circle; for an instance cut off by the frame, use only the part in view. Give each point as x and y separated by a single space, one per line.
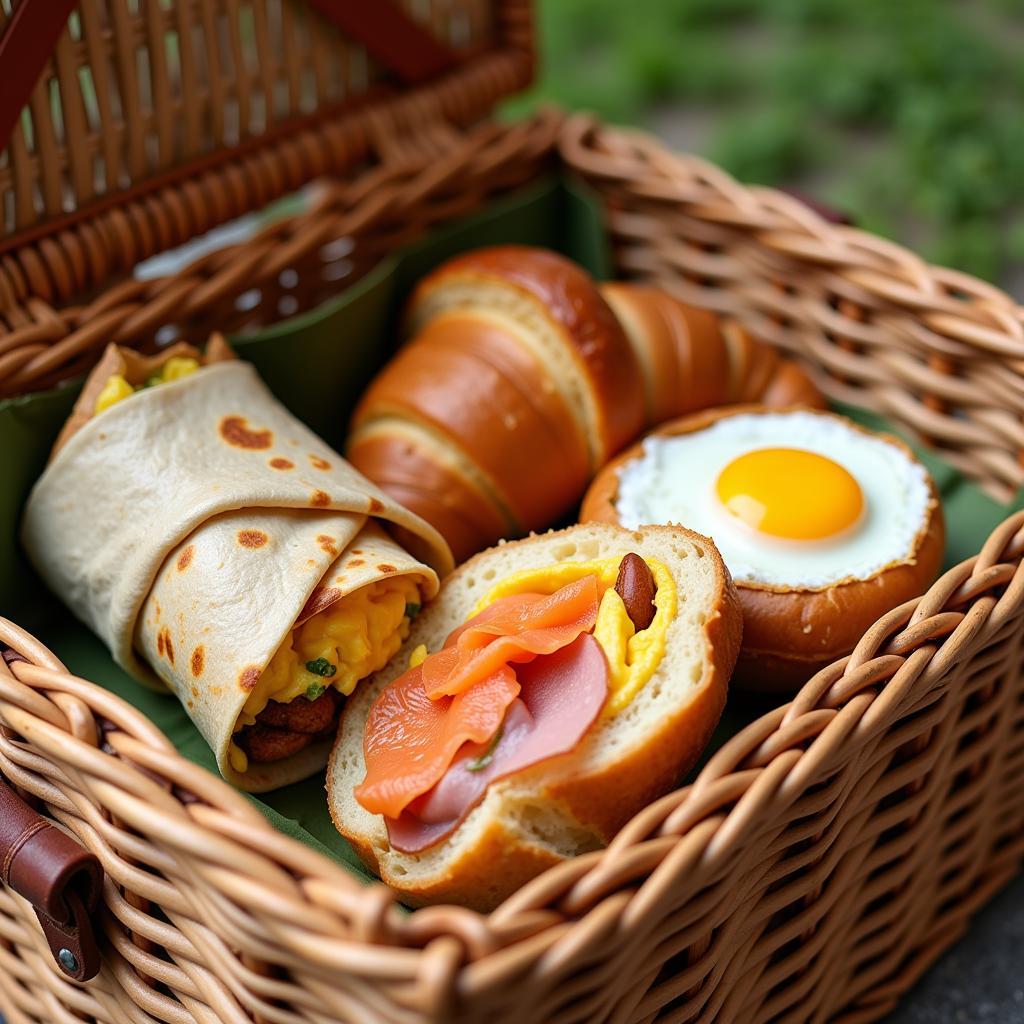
108 101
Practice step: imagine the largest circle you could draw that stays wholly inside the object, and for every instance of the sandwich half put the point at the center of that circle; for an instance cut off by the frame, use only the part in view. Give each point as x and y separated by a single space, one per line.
555 687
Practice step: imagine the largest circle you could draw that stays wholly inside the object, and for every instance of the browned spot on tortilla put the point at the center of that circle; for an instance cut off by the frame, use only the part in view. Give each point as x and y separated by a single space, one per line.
156 605
321 598
319 463
252 538
320 499
280 463
357 561
190 704
195 691
248 678
185 558
164 644
386 568
327 545
198 657
376 507
236 431
357 551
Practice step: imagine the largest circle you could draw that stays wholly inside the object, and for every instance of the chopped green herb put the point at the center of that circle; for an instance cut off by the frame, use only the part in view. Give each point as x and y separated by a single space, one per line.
412 610
321 667
315 690
154 380
478 764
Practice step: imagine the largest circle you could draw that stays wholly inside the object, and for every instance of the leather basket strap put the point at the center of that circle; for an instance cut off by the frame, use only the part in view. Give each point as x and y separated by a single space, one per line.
390 37
61 880
26 44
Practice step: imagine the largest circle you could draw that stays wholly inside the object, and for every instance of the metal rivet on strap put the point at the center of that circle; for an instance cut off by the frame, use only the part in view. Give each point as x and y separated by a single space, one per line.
68 961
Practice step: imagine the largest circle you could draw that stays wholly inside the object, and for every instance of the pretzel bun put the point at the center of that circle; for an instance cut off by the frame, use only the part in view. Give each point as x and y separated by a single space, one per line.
467 380
523 378
692 359
419 470
556 313
789 633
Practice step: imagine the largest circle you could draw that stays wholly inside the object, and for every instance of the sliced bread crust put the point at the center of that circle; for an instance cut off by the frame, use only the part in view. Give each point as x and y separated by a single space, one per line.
575 802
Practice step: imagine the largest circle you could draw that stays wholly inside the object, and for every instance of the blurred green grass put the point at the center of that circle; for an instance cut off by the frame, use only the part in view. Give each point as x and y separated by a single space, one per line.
906 113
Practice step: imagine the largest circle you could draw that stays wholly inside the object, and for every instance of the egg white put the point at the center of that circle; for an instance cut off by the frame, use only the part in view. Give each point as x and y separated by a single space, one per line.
673 481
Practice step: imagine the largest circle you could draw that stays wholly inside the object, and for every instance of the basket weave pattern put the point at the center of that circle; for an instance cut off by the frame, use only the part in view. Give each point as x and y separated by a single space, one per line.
822 858
137 90
154 123
932 348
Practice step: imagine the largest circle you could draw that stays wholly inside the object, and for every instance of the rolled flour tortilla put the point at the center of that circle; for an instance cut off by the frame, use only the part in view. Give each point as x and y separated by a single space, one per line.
195 524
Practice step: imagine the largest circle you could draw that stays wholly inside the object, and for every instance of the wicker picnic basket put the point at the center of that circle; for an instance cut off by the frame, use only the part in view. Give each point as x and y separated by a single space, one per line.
824 856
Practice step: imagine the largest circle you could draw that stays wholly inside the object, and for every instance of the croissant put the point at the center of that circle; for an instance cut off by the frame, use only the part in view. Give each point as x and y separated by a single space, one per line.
523 377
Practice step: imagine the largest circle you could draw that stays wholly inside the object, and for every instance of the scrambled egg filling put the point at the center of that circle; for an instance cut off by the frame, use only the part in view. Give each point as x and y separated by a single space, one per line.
633 657
117 387
354 637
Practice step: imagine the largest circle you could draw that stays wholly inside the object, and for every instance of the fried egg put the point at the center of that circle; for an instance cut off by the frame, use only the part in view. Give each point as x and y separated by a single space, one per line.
797 500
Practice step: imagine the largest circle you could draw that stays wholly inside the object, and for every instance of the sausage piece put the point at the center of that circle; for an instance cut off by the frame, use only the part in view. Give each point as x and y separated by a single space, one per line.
265 744
302 715
283 729
635 585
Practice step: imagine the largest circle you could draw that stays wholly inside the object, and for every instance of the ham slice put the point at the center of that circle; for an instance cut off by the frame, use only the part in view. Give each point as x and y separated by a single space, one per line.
561 695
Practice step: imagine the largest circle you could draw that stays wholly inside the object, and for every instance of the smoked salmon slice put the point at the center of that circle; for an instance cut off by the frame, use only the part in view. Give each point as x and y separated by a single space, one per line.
562 694
460 694
513 629
410 740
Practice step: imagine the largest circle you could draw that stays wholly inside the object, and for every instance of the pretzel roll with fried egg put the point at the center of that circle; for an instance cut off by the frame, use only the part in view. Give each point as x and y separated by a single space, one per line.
824 525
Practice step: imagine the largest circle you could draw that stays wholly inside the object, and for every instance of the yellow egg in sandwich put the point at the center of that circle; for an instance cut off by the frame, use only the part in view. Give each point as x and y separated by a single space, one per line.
824 526
633 655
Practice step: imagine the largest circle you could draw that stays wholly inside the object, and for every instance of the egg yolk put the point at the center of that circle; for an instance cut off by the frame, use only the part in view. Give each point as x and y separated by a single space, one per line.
633 657
786 492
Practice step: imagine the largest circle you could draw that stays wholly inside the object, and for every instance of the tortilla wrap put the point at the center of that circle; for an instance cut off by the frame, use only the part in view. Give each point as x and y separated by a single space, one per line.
194 524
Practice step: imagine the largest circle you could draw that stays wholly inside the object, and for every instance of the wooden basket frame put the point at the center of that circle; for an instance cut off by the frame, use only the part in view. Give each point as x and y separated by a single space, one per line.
57 266
823 857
